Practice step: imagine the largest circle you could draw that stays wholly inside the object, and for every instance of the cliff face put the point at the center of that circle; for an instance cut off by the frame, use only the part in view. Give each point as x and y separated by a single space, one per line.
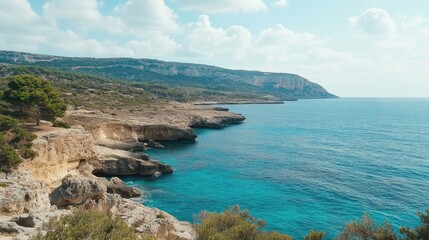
60 178
59 152
141 132
170 122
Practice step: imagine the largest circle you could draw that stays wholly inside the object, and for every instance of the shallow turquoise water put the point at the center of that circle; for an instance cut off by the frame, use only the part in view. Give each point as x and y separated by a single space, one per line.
310 164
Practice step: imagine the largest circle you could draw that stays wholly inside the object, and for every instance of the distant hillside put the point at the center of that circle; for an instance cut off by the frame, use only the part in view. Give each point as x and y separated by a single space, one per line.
281 85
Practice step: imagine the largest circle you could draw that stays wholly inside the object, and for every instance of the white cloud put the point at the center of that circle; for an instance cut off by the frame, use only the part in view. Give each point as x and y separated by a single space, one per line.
21 27
82 12
220 6
159 45
205 40
280 3
373 21
147 15
396 57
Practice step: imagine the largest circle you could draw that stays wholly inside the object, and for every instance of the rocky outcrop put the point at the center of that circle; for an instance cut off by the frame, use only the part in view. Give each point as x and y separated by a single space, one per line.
21 193
81 192
215 122
153 221
76 190
24 205
59 152
131 132
117 186
128 166
127 133
168 122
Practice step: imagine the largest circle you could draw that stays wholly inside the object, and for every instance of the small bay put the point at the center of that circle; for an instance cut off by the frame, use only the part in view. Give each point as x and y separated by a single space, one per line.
310 164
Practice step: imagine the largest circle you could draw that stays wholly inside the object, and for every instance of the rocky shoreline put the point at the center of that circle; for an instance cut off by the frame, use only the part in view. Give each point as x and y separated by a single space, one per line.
69 168
244 101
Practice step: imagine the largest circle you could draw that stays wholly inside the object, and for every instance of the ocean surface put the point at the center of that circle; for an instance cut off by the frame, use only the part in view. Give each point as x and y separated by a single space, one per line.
310 164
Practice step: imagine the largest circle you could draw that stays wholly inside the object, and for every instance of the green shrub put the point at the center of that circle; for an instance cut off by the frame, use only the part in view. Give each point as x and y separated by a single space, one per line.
366 228
60 124
315 235
9 158
86 224
233 224
420 232
160 215
15 143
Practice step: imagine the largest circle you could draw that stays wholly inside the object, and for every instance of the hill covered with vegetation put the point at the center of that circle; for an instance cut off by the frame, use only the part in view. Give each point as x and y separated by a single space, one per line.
283 86
81 89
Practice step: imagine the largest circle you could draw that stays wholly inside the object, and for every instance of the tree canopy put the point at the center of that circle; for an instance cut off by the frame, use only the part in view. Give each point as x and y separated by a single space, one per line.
34 95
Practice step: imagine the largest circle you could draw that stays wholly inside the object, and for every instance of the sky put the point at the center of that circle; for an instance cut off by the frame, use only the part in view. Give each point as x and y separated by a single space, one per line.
353 48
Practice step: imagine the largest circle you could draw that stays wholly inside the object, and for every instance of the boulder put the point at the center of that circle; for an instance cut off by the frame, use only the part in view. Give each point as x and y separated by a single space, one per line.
153 221
117 186
75 190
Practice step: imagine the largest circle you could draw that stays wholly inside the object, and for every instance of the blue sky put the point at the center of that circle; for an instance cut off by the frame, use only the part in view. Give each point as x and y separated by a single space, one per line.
361 48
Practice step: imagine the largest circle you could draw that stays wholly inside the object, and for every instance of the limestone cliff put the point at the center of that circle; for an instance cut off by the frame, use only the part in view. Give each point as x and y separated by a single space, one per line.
62 175
168 122
59 152
60 178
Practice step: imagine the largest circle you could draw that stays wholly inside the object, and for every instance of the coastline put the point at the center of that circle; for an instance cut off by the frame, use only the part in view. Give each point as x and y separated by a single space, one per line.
102 144
240 102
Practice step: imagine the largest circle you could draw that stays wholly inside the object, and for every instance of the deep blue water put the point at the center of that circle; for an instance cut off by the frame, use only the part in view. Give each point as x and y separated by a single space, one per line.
310 164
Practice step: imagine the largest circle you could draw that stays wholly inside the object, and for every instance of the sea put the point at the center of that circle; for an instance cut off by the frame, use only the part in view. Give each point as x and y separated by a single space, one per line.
309 164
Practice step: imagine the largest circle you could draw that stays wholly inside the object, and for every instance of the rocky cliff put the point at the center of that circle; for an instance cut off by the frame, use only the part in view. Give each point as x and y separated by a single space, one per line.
168 122
61 178
59 152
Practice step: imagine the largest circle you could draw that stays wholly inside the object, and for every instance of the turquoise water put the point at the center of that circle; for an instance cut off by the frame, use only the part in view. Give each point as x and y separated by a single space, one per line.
310 164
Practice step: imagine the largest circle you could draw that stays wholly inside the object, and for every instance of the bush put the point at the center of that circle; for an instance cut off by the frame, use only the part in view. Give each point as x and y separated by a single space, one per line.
60 124
314 235
86 224
9 158
366 228
420 232
15 143
233 224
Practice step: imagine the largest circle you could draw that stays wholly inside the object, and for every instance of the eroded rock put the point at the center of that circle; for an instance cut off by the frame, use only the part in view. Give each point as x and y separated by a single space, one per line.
76 190
117 186
128 166
22 194
59 152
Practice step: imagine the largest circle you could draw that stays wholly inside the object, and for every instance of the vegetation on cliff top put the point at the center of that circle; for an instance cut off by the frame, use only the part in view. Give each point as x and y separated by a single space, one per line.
15 143
25 97
235 224
31 95
232 224
86 224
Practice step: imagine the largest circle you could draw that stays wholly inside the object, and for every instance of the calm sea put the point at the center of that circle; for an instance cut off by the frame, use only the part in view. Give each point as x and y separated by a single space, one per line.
310 164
